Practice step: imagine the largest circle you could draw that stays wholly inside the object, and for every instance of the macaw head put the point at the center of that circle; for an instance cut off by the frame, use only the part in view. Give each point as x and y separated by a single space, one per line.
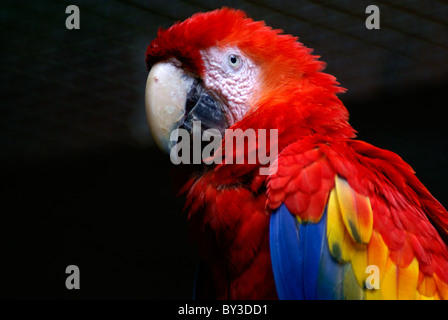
226 70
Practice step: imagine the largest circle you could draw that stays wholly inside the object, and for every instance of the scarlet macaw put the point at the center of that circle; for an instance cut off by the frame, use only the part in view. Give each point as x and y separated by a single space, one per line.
334 205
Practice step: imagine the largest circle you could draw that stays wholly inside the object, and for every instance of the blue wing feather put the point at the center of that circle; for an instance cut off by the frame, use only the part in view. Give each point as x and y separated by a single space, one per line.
301 261
310 244
284 239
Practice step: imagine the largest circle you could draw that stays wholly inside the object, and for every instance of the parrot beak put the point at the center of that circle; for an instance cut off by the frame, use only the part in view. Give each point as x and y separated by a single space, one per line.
174 99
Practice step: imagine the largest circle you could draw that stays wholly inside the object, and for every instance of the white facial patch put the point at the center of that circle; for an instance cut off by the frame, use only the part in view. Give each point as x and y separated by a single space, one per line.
231 77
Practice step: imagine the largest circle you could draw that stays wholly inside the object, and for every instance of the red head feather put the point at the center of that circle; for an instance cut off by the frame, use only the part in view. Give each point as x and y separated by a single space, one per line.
296 96
276 53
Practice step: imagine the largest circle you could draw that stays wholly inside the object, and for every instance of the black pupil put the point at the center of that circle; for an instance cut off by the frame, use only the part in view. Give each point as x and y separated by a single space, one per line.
233 59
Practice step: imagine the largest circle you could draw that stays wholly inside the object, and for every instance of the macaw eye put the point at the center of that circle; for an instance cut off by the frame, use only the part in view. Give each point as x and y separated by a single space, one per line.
234 61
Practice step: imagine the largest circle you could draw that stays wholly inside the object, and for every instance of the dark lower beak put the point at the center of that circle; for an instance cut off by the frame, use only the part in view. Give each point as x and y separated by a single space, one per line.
203 107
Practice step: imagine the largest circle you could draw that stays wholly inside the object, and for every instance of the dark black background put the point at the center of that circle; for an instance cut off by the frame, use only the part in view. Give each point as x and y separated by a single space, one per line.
81 181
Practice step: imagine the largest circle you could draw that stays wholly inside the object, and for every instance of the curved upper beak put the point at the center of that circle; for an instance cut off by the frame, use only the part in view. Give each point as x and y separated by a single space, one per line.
174 99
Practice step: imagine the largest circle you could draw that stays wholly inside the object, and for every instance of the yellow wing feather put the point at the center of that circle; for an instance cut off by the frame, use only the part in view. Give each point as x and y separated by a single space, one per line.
352 240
